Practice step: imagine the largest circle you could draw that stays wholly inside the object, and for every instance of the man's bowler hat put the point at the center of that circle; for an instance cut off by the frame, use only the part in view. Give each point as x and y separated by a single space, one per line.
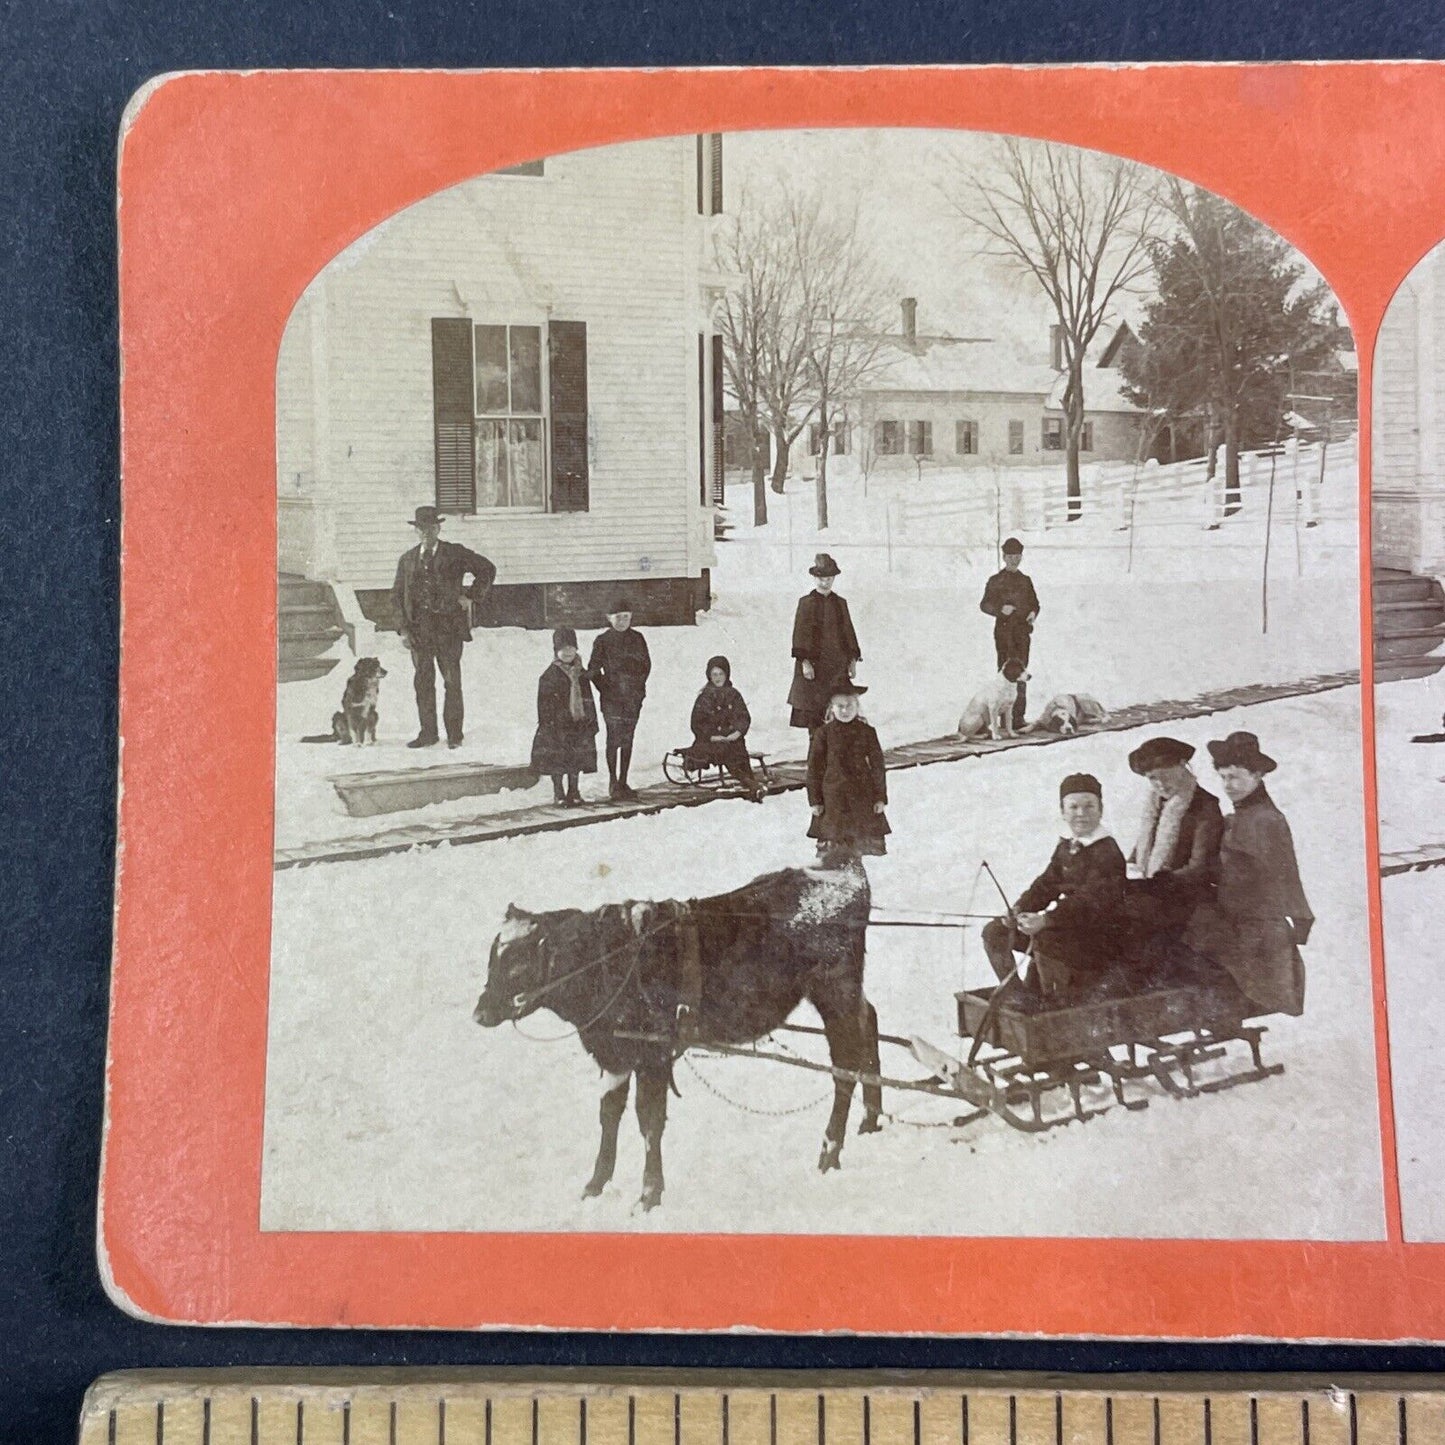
427 517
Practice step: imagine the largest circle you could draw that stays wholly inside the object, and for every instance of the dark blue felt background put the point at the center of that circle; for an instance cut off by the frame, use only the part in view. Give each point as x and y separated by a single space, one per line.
67 70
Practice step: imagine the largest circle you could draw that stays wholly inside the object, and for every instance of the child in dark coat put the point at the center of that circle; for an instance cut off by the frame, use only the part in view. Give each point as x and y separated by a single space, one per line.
720 723
1069 916
619 669
847 780
565 743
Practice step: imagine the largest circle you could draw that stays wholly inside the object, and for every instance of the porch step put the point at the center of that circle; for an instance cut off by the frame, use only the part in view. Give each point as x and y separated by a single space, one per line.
1401 587
1416 642
308 624
1404 668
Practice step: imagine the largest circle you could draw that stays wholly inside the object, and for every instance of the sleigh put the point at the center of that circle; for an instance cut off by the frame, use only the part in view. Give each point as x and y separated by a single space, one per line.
1037 1066
684 770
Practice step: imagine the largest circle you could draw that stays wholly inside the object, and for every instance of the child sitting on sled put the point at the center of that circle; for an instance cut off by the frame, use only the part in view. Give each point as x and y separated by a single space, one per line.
847 780
1069 917
720 723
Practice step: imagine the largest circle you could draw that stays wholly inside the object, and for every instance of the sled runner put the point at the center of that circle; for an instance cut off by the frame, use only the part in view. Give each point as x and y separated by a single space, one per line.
681 768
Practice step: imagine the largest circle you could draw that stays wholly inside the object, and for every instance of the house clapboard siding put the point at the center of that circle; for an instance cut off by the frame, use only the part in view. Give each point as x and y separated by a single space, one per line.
604 248
1408 426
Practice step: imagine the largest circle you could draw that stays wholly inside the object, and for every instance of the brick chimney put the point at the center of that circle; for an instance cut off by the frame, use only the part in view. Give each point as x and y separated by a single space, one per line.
910 318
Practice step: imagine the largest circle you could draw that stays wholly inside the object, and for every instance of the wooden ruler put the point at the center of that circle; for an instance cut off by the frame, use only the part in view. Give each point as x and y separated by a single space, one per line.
417 1407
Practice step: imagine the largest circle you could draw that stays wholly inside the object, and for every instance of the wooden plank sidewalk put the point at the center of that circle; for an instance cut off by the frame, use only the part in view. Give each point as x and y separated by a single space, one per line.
786 776
1412 860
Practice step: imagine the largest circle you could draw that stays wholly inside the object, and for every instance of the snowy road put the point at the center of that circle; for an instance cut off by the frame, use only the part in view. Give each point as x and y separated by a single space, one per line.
387 1108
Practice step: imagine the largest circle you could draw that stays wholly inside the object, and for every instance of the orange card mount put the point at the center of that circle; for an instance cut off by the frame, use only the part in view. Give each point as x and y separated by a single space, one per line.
686 449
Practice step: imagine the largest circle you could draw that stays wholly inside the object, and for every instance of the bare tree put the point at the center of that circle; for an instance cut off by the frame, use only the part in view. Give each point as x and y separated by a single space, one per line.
1077 223
842 294
749 321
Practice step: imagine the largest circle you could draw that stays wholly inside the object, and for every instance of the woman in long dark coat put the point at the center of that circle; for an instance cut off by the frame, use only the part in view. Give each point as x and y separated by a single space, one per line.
565 743
825 648
720 723
1175 858
847 780
1259 916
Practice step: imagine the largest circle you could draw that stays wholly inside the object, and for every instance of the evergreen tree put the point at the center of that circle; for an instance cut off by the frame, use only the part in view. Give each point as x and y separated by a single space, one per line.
1229 327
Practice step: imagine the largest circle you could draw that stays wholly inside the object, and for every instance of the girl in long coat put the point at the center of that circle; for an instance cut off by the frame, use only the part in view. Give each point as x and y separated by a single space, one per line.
720 723
565 743
847 780
825 647
1260 915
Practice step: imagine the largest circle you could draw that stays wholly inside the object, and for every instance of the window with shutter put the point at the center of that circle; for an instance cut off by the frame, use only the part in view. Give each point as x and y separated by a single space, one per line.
1086 440
1016 438
1053 434
567 396
454 420
888 437
920 438
965 441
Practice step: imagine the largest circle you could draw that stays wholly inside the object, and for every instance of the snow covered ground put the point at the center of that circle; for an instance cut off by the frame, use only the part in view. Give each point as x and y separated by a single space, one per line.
1410 777
1413 905
387 1108
1183 616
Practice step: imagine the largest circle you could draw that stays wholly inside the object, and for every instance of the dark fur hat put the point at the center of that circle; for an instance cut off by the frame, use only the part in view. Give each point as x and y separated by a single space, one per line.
1081 783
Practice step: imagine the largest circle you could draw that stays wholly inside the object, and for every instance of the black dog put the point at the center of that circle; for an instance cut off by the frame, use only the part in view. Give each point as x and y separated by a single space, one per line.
356 722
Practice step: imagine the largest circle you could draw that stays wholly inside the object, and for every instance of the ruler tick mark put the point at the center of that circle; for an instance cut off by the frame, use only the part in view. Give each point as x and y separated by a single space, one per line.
1158 1429
772 1420
206 1421
1354 1421
1109 1421
391 1424
1058 1418
724 1419
1208 1422
255 1420
536 1420
1404 1426
160 1422
631 1421
442 1421
917 1422
1253 1420
867 1421
1304 1422
581 1421
822 1424
1013 1421
964 1421
488 1422
300 1422
110 1428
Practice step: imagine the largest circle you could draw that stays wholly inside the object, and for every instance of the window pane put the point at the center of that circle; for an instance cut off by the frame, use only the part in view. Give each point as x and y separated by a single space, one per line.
526 369
491 464
1016 438
528 479
491 369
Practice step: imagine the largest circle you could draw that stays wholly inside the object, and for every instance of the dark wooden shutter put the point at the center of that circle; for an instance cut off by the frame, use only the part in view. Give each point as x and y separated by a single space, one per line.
567 392
702 418
718 414
701 175
453 414
715 173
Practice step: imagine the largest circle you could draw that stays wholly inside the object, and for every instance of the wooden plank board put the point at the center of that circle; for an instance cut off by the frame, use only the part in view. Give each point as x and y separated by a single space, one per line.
785 776
722 1408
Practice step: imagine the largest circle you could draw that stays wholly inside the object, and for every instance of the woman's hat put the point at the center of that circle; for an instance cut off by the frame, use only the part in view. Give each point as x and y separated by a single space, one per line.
563 637
1241 750
846 688
824 566
722 662
427 517
1159 753
1081 783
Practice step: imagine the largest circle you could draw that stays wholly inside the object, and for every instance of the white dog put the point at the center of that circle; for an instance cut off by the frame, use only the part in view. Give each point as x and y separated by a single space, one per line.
1067 712
990 713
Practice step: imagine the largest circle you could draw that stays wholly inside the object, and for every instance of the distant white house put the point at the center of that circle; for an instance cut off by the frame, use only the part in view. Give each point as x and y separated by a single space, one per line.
533 353
964 401
1408 426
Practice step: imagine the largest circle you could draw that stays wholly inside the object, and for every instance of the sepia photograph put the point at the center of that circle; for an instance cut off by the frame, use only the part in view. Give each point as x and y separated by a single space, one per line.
1408 544
819 692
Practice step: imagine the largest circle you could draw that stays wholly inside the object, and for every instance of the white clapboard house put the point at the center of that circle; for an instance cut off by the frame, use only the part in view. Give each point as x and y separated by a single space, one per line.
532 352
1408 476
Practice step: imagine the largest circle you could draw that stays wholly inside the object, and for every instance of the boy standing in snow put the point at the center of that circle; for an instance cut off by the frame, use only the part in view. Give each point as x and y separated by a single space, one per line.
618 669
1070 914
1009 598
847 780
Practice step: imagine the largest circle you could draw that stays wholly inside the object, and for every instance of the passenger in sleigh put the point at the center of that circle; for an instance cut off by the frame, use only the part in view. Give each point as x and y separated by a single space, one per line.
1259 918
1068 920
1174 863
720 723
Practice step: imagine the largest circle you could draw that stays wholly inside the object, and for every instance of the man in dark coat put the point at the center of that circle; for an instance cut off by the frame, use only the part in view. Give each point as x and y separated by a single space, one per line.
825 648
619 668
1069 915
430 605
1009 598
1260 916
